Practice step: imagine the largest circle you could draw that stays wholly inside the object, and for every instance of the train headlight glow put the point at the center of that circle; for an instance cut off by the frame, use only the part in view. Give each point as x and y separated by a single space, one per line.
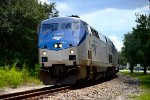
44 53
60 45
55 45
71 51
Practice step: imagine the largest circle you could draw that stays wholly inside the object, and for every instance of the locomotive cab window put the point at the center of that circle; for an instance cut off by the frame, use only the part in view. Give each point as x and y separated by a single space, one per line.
66 26
75 25
50 26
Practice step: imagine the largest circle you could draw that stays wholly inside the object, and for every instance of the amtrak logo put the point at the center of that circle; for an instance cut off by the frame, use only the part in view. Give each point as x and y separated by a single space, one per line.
56 37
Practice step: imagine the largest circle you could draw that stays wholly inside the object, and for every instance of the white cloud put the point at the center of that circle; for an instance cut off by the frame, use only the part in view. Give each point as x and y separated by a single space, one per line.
109 19
116 42
143 10
114 23
63 7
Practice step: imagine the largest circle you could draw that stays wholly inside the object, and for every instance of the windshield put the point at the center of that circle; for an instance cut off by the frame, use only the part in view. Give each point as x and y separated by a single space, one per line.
75 25
50 26
56 26
66 26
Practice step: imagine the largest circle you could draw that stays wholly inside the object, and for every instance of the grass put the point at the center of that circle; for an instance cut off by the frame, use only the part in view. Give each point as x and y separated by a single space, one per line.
11 76
144 84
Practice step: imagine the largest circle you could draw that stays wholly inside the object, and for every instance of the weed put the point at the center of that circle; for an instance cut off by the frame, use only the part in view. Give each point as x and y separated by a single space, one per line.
144 96
12 76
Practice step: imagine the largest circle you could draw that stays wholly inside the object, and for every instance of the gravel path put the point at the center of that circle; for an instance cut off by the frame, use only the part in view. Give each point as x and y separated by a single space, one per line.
121 88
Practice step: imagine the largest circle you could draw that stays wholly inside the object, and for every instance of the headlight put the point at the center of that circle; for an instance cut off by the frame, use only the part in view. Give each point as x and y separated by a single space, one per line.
44 53
71 51
60 45
55 45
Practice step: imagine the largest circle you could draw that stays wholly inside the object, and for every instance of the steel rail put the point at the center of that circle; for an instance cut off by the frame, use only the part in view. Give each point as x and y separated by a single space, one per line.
33 93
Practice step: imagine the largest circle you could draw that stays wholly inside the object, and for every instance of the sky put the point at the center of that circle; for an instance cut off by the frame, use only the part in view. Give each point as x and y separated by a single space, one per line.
112 18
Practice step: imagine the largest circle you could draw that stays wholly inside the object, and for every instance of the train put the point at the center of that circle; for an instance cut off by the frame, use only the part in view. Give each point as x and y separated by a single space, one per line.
70 50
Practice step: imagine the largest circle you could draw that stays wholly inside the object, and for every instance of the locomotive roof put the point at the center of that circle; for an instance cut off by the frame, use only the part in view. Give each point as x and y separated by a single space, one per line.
57 18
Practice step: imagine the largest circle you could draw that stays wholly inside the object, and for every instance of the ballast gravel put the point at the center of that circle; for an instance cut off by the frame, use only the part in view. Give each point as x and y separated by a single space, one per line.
120 88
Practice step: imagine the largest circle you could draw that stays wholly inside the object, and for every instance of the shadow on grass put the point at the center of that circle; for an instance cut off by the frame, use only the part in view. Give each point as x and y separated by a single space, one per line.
144 78
144 83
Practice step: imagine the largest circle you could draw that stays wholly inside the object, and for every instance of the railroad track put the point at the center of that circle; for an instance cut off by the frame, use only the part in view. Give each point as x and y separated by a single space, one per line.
33 93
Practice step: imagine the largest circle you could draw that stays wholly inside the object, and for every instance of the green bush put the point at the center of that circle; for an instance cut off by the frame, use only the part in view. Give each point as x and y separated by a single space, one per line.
35 72
25 73
10 76
2 78
13 77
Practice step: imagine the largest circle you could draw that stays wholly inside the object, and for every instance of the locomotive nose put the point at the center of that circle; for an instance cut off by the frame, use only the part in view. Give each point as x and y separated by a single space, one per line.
59 56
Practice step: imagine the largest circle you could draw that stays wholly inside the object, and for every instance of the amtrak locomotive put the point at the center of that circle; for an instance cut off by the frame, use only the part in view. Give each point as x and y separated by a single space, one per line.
70 50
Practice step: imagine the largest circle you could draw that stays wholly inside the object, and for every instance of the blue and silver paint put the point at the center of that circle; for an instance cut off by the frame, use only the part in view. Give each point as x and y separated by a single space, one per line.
69 37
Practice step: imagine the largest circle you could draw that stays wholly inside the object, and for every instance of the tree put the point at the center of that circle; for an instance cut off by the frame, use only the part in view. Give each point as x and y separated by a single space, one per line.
18 26
122 60
142 33
137 43
130 50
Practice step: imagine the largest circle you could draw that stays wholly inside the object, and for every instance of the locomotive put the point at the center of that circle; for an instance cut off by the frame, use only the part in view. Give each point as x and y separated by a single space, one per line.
71 50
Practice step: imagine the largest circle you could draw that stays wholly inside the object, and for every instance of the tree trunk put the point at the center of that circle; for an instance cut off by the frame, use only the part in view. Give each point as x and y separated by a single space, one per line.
145 70
131 68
